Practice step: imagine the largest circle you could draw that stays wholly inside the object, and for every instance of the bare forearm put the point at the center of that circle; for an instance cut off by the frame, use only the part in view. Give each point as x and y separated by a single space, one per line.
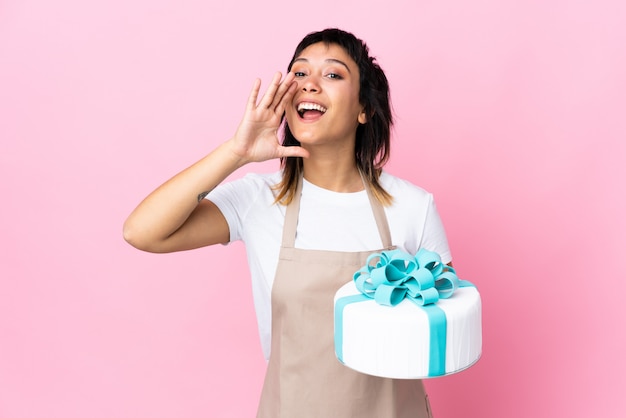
170 206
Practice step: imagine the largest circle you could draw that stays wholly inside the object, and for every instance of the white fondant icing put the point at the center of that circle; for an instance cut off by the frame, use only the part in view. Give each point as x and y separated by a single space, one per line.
395 341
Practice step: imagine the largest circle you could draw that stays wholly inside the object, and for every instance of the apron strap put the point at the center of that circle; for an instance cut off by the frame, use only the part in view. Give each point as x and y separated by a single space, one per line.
291 217
293 209
379 215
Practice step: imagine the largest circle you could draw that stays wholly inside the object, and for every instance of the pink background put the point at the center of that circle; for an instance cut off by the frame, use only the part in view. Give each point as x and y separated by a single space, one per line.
511 112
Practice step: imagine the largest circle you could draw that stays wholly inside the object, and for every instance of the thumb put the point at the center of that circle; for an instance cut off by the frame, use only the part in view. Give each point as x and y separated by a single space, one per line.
292 151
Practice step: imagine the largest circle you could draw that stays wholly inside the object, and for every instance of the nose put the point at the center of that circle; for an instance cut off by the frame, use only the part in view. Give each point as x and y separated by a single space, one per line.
310 84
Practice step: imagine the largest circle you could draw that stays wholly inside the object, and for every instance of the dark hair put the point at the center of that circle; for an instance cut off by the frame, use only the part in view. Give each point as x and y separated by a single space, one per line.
372 138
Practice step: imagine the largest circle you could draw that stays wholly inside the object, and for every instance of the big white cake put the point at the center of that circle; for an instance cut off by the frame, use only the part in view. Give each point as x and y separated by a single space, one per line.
408 341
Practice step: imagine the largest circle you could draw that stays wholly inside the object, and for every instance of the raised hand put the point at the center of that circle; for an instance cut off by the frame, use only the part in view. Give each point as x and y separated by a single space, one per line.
174 217
256 137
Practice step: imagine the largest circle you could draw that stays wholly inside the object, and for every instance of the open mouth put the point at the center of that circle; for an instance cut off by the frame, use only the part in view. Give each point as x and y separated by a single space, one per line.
308 110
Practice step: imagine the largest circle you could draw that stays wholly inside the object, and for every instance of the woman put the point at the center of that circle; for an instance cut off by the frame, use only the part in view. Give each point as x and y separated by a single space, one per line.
308 227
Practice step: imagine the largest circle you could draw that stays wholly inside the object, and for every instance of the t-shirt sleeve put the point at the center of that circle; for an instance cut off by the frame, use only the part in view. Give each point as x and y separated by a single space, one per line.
434 235
234 200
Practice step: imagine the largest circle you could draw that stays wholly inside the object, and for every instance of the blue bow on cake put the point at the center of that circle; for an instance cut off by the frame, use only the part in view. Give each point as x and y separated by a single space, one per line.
396 275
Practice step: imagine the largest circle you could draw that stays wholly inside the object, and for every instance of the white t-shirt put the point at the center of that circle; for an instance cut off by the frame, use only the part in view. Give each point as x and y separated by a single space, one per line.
327 221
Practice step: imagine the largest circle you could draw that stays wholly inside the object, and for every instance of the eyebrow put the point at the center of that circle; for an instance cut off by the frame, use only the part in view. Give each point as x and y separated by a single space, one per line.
328 60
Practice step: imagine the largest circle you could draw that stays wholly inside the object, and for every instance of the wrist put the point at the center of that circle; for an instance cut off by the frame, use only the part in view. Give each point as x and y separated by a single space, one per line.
233 154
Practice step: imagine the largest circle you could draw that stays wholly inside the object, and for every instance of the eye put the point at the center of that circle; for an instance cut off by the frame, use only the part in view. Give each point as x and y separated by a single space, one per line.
334 75
299 73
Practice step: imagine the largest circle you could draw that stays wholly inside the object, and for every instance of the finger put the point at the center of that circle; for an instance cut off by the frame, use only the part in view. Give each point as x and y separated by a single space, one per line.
284 88
254 94
268 97
293 151
286 98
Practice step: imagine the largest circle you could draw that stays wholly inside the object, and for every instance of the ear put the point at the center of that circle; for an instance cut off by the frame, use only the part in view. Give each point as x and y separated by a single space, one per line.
362 117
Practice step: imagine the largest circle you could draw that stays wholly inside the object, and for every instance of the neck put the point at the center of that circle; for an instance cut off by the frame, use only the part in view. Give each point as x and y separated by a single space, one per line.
333 174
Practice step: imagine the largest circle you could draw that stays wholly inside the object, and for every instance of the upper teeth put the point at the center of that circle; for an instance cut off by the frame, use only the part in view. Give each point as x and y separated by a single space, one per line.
311 106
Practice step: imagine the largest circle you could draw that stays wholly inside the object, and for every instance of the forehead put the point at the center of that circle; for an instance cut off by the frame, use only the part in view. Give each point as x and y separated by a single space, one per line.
323 52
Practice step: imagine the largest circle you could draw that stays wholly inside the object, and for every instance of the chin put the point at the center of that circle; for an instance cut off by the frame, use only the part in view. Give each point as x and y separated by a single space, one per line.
304 138
302 134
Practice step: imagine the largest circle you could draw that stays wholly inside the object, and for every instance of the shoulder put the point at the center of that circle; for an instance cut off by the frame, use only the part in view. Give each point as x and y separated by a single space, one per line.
258 181
237 197
403 191
249 185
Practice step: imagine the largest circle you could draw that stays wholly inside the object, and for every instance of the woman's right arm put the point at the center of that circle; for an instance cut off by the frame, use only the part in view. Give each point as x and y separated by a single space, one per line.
176 216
